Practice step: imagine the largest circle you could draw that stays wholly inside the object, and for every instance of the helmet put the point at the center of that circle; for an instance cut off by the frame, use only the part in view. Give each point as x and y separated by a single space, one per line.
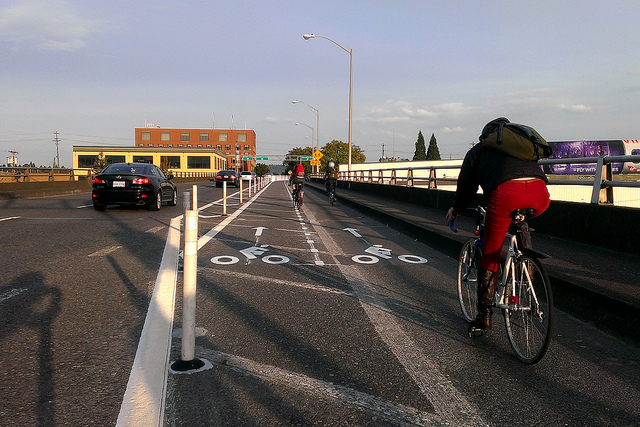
331 164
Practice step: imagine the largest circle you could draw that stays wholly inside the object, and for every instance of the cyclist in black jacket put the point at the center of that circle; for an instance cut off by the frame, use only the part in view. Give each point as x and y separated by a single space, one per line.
508 184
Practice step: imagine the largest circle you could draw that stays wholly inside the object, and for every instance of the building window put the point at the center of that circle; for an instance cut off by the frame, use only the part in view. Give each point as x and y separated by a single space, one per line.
165 136
218 147
242 137
198 162
87 161
184 137
143 159
204 137
172 162
237 148
180 145
246 148
160 145
222 137
115 159
227 147
145 136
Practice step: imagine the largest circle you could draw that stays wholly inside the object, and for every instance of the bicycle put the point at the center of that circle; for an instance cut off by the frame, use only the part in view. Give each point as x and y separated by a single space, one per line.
523 291
332 192
298 195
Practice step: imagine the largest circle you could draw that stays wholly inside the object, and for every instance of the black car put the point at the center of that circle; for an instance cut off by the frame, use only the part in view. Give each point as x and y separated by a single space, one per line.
231 177
139 184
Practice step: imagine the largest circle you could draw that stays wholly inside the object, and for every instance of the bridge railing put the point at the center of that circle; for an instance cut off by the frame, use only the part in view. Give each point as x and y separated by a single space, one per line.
601 182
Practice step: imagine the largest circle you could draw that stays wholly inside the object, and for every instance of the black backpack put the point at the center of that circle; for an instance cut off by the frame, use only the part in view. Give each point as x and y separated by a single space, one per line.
516 140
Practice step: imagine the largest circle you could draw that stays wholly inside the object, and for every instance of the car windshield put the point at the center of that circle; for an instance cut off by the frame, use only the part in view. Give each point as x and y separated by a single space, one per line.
226 173
127 169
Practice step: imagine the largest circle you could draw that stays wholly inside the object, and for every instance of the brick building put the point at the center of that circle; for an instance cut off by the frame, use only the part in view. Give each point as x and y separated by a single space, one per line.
238 145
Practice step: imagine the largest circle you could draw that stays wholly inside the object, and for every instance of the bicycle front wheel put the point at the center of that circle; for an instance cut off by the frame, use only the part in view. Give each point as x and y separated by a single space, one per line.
530 316
468 263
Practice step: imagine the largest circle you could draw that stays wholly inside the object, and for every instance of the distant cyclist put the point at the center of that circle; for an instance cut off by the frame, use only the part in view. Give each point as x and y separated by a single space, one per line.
330 177
297 180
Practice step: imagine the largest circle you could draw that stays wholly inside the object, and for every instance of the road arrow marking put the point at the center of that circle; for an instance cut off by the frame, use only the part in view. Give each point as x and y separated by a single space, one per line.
353 231
259 230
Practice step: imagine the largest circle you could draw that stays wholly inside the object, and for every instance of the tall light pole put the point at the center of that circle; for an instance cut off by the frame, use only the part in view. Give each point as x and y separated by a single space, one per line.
312 130
350 52
317 113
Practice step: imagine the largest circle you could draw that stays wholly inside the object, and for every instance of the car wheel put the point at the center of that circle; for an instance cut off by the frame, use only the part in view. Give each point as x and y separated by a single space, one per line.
98 206
174 199
158 202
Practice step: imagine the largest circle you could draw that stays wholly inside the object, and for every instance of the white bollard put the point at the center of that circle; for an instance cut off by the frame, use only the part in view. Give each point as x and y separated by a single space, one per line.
188 361
189 285
194 198
239 179
224 197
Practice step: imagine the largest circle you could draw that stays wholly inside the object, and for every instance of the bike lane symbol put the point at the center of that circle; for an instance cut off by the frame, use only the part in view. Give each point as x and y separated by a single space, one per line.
253 252
378 251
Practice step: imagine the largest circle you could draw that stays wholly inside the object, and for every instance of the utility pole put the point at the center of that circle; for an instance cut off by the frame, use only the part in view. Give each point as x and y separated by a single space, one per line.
13 158
57 141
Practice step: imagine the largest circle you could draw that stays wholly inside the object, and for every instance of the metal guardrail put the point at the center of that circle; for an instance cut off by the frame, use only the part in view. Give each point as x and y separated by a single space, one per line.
602 182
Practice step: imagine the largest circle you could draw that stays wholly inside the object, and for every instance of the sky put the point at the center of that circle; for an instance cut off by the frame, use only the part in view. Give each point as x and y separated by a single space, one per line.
94 71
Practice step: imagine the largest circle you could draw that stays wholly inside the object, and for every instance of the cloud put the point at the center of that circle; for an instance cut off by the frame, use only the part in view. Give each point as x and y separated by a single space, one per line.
576 108
456 129
49 25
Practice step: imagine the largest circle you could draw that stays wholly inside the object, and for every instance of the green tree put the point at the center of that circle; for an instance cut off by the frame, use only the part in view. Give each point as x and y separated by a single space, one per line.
421 151
261 169
101 162
433 153
338 152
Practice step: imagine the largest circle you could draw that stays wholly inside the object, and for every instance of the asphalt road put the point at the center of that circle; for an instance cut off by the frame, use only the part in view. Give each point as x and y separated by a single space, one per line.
317 317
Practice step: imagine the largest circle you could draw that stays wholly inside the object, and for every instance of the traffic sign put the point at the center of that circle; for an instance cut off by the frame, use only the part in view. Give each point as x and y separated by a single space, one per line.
247 157
314 162
317 154
306 158
262 158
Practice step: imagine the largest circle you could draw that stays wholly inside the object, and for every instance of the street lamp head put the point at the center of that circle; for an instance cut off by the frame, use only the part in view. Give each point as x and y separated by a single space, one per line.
294 102
308 36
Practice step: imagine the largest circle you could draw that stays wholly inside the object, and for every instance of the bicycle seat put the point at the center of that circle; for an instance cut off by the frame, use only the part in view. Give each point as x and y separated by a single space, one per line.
522 214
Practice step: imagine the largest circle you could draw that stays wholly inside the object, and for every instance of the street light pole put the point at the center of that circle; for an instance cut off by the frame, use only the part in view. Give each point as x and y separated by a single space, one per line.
312 130
317 113
350 52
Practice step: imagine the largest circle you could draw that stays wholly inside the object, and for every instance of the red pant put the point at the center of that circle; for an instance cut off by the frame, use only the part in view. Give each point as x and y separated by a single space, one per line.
506 198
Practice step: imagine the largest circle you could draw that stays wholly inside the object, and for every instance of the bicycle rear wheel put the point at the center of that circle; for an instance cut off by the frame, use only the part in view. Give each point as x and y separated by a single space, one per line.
530 320
468 278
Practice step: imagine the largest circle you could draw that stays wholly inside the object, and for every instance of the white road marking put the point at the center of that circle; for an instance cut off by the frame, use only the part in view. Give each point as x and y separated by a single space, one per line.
383 410
155 229
450 405
105 251
9 218
11 293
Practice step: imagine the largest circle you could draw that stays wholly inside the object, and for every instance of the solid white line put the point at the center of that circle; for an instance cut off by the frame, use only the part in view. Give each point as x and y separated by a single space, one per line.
9 218
218 228
144 399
